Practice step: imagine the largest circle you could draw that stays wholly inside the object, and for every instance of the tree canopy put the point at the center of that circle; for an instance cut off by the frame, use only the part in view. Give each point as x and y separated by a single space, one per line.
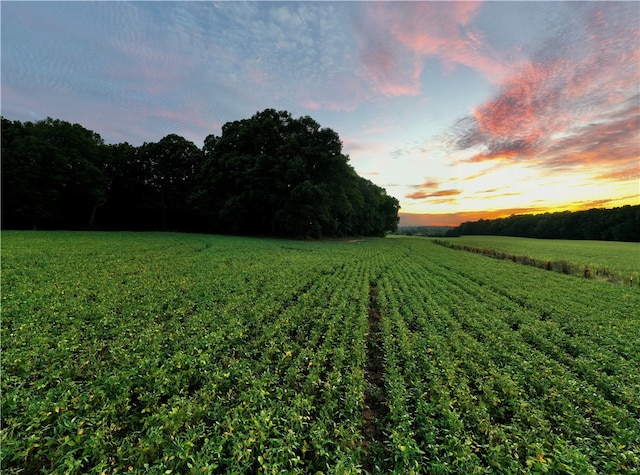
616 224
270 174
273 174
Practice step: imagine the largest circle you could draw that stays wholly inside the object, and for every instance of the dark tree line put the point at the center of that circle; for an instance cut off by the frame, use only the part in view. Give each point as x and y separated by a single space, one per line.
269 175
616 224
430 231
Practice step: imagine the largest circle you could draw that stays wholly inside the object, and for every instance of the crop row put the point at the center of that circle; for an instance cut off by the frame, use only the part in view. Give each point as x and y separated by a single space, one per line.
220 359
487 384
161 353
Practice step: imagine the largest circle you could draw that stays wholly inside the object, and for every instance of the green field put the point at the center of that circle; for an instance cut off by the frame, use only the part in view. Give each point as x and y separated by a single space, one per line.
620 259
172 353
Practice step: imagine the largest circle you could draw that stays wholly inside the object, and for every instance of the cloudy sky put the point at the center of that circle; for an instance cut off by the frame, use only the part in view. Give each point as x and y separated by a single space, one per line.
460 110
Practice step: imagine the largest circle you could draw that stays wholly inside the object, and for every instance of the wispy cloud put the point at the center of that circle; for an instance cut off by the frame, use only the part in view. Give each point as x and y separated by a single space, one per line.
624 174
182 66
386 66
428 184
572 106
456 217
394 40
489 195
601 203
444 30
421 194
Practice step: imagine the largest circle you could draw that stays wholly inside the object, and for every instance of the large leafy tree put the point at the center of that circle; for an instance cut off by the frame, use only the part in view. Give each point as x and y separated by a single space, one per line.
31 178
51 174
270 174
127 201
168 168
273 174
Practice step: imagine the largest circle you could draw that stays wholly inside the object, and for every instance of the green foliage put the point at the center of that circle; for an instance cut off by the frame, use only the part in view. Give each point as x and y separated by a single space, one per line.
50 173
169 168
614 261
267 175
276 175
502 368
166 352
173 353
616 224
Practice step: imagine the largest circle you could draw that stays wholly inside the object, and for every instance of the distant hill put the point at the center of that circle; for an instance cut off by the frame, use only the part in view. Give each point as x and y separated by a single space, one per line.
615 224
423 230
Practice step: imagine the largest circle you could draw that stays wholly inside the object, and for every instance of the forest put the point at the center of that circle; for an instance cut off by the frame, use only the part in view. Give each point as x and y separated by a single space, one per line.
615 224
269 175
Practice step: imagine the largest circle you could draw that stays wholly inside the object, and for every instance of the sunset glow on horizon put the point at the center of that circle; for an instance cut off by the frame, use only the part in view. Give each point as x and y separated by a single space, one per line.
461 111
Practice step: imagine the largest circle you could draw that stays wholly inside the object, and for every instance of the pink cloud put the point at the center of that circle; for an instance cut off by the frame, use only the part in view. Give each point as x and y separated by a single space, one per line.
574 107
603 203
394 40
347 106
389 67
442 30
313 105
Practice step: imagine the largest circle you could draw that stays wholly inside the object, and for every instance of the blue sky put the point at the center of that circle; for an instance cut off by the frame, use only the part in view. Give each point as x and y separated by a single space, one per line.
460 110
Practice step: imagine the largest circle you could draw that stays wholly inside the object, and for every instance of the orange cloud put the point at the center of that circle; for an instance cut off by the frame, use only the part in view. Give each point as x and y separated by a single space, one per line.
446 193
489 156
603 203
622 174
419 195
614 139
427 184
444 201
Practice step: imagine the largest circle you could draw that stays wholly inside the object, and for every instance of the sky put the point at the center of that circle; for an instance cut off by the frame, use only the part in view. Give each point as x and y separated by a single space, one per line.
461 111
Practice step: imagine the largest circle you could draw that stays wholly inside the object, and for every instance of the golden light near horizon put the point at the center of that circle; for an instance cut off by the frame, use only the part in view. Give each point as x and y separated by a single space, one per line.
492 190
520 186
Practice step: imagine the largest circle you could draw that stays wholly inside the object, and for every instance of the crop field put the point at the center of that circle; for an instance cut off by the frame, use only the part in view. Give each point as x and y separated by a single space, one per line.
619 260
173 353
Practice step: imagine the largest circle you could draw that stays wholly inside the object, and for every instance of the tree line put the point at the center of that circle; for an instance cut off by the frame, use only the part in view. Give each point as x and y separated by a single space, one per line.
615 224
270 175
429 231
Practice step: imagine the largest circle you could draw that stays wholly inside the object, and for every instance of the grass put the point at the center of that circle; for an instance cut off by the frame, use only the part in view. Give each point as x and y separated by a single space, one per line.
619 260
